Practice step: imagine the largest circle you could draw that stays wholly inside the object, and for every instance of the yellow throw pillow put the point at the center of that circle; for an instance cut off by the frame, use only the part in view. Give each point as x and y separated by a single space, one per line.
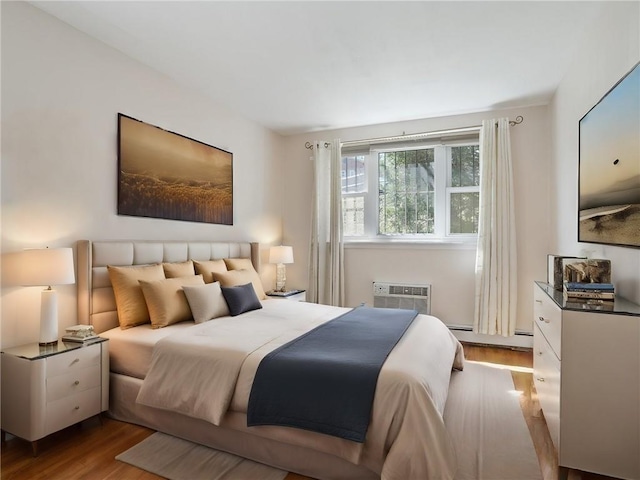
205 268
166 300
239 264
130 303
246 264
178 269
234 278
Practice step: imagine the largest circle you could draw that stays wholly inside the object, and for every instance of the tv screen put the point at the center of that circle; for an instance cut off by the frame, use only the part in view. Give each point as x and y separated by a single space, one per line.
609 167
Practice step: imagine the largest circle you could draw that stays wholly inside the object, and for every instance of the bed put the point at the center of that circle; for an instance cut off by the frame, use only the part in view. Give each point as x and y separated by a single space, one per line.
406 438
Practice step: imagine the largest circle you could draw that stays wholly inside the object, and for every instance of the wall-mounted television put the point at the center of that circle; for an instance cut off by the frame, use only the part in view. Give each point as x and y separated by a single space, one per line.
609 166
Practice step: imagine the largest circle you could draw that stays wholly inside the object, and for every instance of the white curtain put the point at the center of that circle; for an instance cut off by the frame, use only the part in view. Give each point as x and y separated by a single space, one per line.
496 282
326 263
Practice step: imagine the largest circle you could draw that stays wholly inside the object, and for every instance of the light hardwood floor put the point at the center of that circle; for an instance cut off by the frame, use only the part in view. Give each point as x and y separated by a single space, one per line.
88 450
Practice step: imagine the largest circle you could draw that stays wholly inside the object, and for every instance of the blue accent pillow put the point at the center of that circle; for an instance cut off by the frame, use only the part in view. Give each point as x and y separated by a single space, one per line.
241 298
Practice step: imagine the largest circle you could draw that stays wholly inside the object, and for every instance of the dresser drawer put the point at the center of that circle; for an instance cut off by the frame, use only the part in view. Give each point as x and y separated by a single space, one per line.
71 383
72 409
546 377
73 360
548 317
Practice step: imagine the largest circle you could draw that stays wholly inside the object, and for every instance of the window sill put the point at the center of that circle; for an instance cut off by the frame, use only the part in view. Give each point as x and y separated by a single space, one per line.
435 244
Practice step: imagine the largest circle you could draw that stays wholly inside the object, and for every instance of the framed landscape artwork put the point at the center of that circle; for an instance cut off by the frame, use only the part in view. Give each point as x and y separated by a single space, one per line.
609 167
162 174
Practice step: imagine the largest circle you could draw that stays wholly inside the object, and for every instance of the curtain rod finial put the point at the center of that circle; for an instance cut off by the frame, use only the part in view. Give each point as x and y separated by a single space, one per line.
519 119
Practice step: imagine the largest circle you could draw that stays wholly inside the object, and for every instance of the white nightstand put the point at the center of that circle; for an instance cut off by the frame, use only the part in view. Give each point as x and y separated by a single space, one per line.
46 389
292 295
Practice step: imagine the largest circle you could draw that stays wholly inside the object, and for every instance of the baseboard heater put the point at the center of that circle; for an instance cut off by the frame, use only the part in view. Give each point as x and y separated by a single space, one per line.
468 328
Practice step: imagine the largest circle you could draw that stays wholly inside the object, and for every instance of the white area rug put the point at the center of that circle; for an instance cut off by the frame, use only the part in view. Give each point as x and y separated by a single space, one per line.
178 459
485 421
483 417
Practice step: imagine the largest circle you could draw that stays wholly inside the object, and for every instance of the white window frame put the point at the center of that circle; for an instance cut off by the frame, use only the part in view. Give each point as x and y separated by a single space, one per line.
442 197
449 190
366 194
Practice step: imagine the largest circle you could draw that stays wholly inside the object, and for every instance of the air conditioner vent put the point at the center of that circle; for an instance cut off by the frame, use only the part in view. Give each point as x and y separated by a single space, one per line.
408 290
407 296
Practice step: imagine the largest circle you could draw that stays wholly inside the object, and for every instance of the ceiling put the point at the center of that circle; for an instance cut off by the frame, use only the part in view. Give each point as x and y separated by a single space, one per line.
304 66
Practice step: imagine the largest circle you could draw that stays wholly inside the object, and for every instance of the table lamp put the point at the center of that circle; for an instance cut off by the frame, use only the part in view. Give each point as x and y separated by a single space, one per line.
281 255
47 267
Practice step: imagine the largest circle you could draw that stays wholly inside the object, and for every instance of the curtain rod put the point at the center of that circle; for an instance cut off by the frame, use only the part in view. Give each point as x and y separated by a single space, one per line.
519 119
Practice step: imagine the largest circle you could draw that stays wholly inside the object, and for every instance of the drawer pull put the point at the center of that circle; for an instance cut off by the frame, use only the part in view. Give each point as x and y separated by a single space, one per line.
77 407
538 301
540 379
77 382
75 361
542 319
540 353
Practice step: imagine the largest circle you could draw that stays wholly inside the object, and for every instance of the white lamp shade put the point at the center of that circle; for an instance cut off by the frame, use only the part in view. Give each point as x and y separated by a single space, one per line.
46 267
281 254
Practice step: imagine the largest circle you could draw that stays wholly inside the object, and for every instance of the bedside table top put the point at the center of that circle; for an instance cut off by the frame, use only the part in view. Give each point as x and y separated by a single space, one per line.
288 293
33 351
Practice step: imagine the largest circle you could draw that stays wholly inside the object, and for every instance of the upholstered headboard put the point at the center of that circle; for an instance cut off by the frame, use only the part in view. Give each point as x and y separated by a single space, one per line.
96 301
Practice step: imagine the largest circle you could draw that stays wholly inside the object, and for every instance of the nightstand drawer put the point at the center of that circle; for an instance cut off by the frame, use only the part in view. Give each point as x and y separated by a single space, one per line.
65 385
73 409
73 360
548 317
546 378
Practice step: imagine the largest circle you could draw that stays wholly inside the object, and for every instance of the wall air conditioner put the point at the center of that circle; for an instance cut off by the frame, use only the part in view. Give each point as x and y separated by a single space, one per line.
402 295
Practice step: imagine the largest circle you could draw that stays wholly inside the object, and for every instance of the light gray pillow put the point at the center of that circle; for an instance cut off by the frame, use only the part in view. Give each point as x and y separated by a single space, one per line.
206 301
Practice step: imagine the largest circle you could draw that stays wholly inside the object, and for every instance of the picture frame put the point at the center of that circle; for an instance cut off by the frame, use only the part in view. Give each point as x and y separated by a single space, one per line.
162 174
592 270
556 267
609 166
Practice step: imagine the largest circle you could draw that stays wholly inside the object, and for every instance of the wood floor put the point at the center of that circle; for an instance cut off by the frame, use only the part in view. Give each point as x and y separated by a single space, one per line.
88 450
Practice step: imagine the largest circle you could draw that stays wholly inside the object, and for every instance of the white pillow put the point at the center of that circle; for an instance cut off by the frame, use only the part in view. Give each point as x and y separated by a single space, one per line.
206 301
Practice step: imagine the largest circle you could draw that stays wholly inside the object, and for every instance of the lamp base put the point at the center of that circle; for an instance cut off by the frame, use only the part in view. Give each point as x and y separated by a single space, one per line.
48 317
281 277
48 344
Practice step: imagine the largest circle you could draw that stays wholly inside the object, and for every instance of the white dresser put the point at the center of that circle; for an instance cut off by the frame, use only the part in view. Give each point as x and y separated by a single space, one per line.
45 389
587 374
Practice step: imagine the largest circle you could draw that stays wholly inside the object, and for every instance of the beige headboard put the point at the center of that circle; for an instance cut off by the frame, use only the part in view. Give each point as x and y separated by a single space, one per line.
96 302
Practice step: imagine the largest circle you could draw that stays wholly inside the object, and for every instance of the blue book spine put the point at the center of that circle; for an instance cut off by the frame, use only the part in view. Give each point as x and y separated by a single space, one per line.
589 286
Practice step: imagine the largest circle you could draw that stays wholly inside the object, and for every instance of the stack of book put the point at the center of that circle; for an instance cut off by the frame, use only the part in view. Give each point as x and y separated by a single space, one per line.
79 333
589 295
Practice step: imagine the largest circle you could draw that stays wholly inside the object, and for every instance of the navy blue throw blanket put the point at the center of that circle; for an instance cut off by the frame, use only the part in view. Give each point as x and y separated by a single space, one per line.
325 380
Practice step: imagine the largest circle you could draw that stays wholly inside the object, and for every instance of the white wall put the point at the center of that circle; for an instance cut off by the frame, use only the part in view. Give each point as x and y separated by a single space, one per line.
449 269
610 50
61 92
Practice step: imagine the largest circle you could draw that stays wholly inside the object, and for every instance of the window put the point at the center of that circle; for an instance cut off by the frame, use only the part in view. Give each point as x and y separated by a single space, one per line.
406 192
428 192
354 186
463 190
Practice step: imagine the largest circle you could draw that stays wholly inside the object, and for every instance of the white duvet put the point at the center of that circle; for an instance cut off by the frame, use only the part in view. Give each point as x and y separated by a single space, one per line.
206 372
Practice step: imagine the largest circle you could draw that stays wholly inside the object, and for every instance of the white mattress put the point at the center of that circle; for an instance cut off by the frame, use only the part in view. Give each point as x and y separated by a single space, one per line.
130 350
